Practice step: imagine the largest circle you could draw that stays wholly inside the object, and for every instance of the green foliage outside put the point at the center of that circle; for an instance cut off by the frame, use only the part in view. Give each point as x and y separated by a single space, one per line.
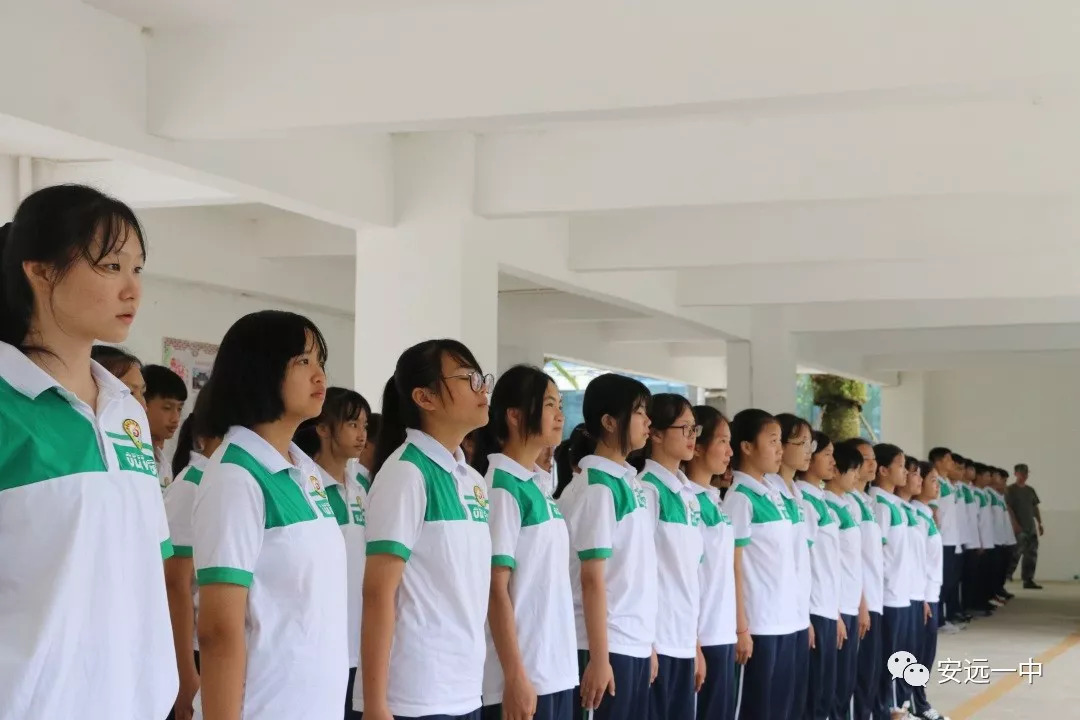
831 403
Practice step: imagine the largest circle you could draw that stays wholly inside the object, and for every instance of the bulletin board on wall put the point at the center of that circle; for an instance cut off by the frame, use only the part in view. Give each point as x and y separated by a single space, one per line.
192 361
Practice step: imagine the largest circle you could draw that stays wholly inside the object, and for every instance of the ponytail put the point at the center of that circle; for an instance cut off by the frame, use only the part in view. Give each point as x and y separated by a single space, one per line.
392 430
185 443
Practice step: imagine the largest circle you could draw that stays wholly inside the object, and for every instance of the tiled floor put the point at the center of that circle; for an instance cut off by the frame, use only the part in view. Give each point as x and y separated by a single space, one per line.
1040 626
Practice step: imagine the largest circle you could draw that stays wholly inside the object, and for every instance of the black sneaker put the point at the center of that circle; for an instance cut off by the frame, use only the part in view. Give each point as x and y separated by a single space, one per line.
1008 595
1032 585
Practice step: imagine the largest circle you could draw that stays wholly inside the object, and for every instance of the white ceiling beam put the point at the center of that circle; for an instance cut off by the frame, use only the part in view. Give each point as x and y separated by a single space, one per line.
1017 338
914 314
898 228
651 330
557 306
339 176
928 150
1039 276
136 186
428 65
966 361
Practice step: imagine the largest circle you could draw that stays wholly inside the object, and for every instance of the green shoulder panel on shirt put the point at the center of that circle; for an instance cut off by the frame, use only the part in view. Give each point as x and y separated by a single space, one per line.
193 476
285 502
911 521
895 518
337 504
365 481
965 492
672 508
626 500
946 490
762 509
794 512
864 511
931 526
443 501
824 517
981 496
536 507
711 515
33 430
842 512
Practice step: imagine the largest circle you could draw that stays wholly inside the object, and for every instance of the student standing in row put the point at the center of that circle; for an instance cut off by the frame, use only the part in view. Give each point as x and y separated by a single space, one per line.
165 396
124 366
871 628
1005 533
716 622
673 434
952 554
795 436
847 465
531 665
769 621
334 440
933 574
896 617
194 446
613 554
269 558
428 543
76 448
915 557
825 588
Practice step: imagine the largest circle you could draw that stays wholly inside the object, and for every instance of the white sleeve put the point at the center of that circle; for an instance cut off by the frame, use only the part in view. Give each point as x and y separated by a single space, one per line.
595 519
505 523
737 507
179 500
228 521
395 510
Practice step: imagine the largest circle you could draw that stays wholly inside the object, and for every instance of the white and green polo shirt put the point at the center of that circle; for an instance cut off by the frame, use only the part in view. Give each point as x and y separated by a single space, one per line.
824 554
932 568
430 508
915 557
716 575
1004 531
947 513
84 619
529 536
805 535
988 536
348 505
266 524
609 519
679 554
970 509
873 556
890 518
765 532
849 549
179 499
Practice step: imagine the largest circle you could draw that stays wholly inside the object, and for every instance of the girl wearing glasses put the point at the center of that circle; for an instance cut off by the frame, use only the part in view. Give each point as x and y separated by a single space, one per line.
334 440
795 436
767 620
673 435
428 543
531 667
716 621
613 558
829 628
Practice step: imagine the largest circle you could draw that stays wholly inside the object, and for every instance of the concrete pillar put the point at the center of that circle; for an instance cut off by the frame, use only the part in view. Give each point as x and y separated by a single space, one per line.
903 414
761 371
428 276
9 187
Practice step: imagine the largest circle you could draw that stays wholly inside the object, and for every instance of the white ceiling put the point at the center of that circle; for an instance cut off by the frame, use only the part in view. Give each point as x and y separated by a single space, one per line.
894 184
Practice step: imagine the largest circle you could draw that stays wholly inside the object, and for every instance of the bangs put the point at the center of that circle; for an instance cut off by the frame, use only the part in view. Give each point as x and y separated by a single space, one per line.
109 230
344 406
297 338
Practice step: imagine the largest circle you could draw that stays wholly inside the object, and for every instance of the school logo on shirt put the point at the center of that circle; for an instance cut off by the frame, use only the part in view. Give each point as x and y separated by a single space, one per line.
639 496
318 496
358 513
318 486
478 493
695 512
133 431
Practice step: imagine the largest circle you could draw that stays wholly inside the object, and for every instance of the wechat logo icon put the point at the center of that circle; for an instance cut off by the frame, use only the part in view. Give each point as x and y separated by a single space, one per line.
903 666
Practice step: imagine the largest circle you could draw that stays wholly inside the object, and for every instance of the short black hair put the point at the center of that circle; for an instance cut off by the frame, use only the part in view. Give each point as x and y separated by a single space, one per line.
980 468
245 383
746 426
911 463
1020 467
885 453
161 382
939 453
114 359
609 394
847 457
521 388
959 459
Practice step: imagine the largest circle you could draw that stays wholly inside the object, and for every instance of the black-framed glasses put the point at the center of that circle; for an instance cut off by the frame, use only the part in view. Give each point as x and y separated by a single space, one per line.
800 443
689 431
477 380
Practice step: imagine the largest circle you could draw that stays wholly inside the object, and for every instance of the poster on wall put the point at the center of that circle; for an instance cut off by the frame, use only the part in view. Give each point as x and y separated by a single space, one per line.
192 361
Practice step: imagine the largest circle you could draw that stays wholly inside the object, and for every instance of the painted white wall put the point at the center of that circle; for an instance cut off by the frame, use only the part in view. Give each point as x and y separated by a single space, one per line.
172 308
903 410
1006 415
